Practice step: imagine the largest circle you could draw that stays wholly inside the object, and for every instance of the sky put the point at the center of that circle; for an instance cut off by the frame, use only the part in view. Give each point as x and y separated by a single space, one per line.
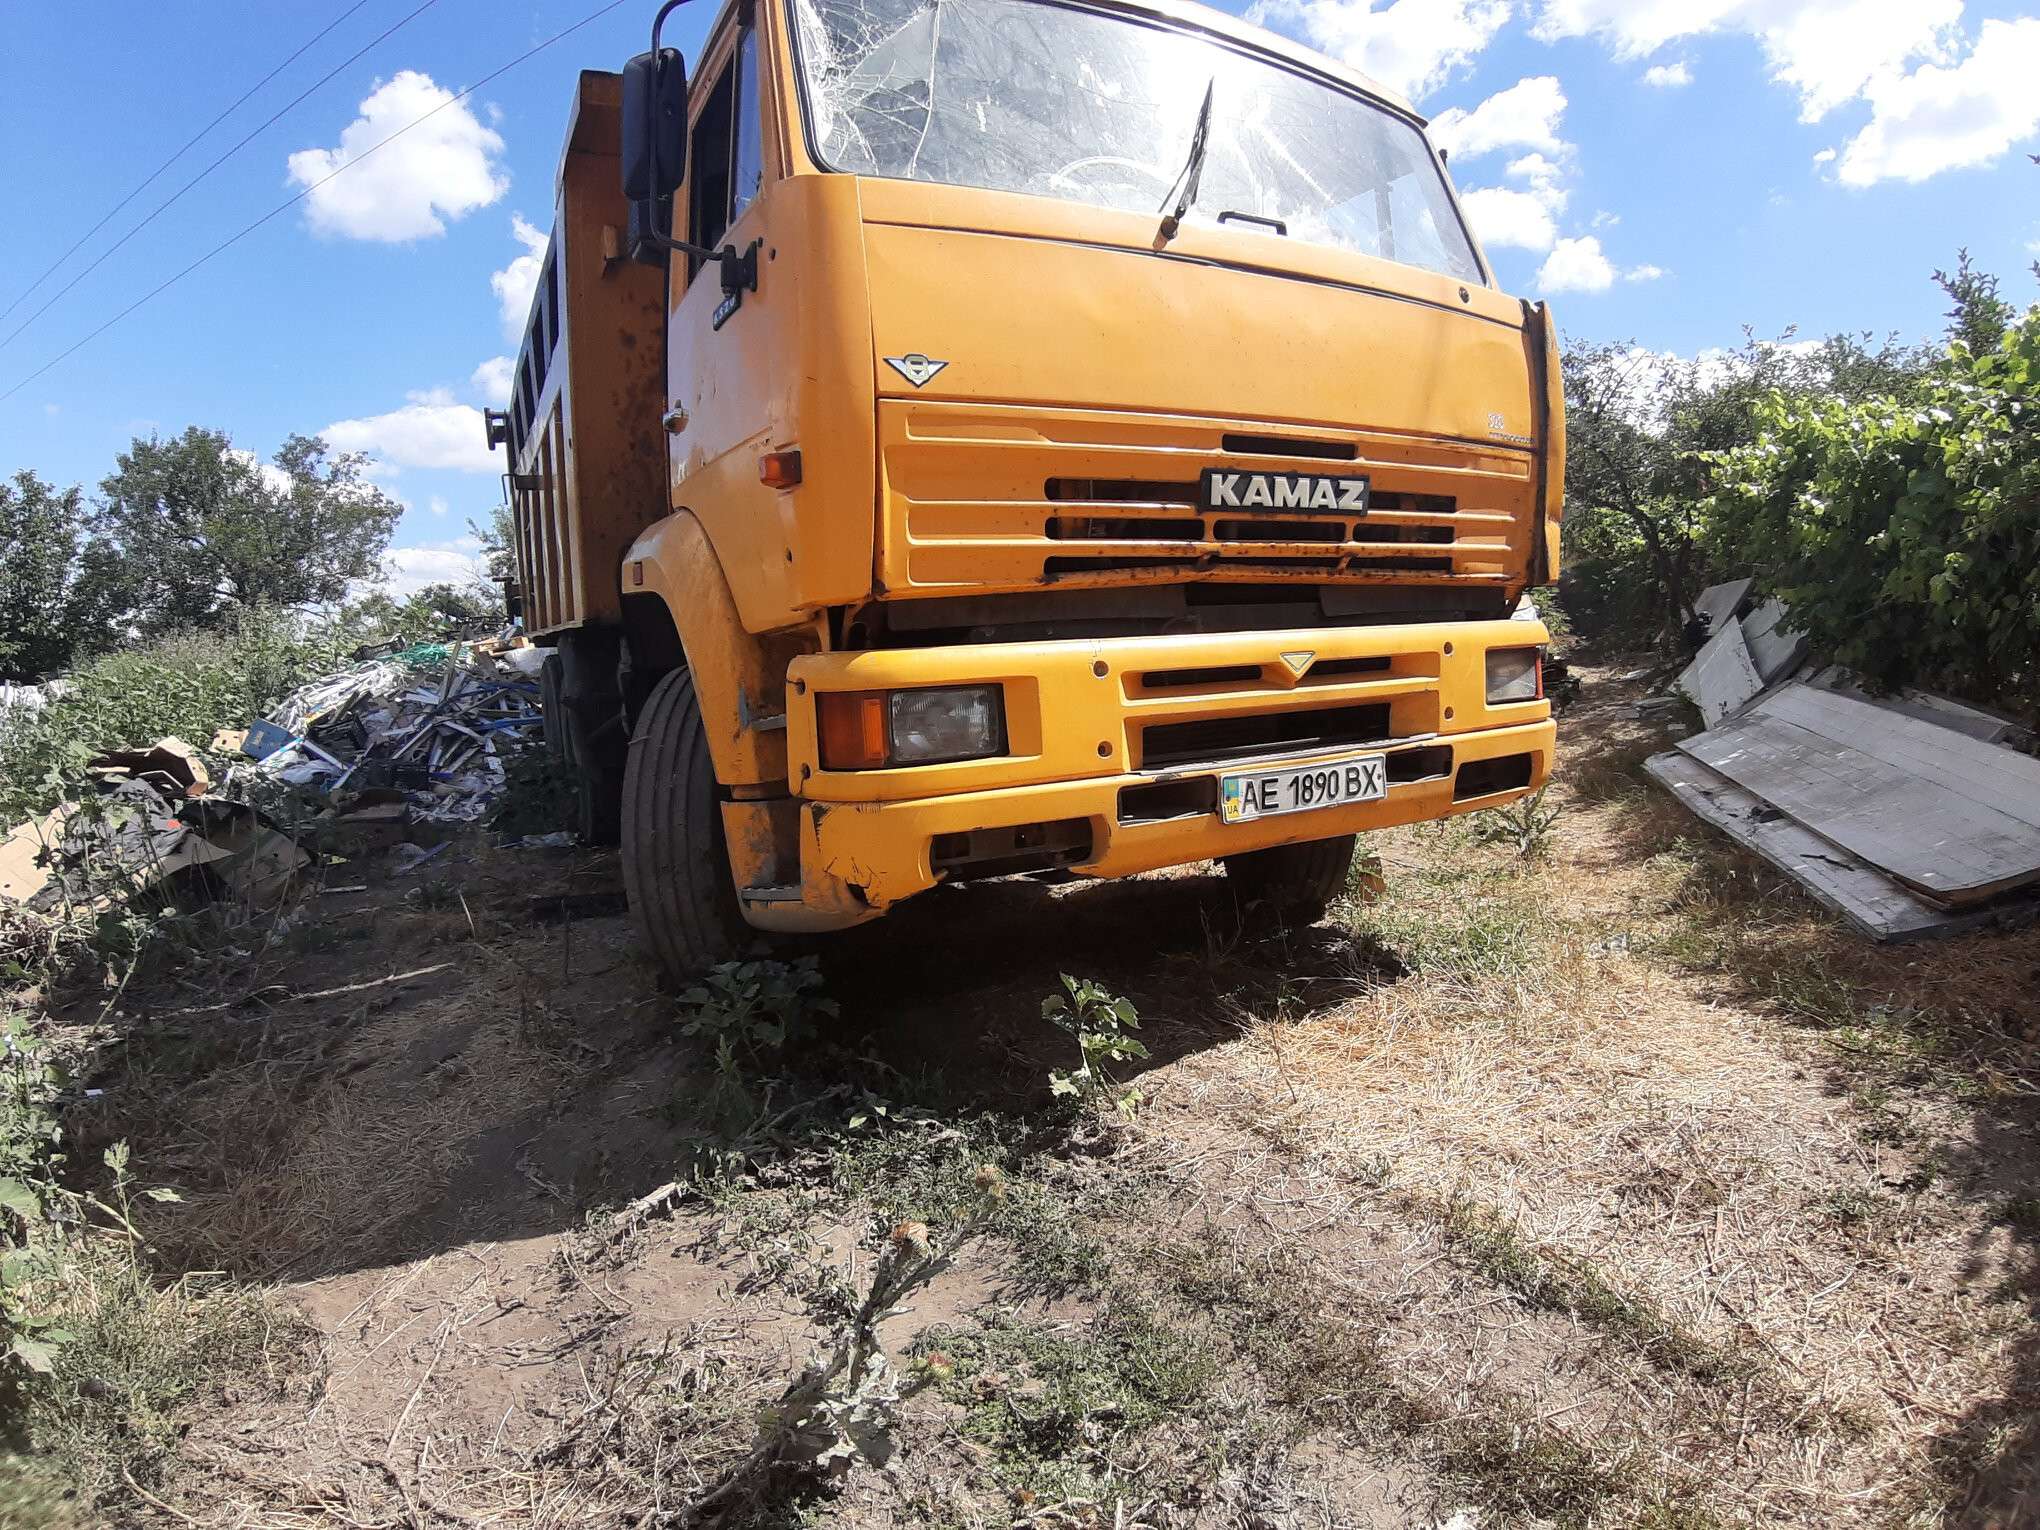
1663 171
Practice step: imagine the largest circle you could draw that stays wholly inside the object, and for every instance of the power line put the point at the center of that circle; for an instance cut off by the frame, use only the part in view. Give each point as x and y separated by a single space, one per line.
287 204
189 144
255 133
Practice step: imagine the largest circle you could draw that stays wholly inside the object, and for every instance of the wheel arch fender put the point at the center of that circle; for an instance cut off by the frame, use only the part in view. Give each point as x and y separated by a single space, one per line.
678 611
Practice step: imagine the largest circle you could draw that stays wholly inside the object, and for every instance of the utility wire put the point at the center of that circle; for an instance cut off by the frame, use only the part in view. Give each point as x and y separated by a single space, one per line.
249 138
286 205
189 144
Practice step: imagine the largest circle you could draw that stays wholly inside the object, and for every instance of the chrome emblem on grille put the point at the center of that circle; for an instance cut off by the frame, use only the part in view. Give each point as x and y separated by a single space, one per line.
1298 662
915 368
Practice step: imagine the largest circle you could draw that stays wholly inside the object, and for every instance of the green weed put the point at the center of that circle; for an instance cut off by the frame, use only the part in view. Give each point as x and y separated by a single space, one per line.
1525 824
1099 1021
1053 1402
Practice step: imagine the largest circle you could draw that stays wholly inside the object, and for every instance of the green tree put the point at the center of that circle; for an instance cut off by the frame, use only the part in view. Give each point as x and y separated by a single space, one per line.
1904 529
58 583
1642 432
205 532
1981 315
499 544
446 610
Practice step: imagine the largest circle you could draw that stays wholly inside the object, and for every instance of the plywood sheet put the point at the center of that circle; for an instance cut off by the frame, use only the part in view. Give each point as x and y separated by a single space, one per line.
1935 840
2002 779
1875 904
1721 680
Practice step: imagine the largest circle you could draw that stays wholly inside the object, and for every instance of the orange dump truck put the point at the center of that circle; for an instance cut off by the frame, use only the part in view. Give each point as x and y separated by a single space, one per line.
961 438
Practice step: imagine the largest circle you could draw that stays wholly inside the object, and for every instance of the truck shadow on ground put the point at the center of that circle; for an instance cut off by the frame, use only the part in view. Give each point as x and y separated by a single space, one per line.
957 979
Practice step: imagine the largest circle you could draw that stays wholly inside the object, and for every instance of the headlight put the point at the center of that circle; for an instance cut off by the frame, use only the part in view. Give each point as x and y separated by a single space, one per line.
1514 674
865 730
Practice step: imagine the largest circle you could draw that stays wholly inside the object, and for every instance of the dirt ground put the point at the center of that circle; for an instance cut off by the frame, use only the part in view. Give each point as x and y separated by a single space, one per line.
1610 1183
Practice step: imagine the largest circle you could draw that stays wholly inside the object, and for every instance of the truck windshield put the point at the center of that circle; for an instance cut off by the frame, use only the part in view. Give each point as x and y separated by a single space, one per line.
1061 101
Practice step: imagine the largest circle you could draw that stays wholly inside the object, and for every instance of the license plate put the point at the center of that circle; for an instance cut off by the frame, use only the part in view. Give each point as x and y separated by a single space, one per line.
1302 788
1298 493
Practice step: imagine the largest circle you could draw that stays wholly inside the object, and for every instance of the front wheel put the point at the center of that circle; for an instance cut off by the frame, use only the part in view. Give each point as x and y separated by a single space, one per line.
676 867
1299 881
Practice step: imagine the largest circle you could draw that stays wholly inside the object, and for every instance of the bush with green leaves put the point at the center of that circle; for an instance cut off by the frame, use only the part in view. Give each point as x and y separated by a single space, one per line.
1100 1021
189 687
1904 531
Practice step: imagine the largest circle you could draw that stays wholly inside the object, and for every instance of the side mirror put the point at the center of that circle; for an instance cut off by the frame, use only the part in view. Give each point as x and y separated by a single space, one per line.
654 125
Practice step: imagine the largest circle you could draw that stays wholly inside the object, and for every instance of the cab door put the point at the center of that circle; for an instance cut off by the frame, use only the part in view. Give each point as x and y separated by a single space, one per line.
719 341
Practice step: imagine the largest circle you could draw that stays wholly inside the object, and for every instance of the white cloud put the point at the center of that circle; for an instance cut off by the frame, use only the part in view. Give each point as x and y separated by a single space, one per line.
492 380
1606 219
1947 118
444 168
1412 46
437 504
274 478
1669 76
431 431
407 570
1581 265
1525 116
516 282
1517 219
1830 51
1543 179
1825 157
1577 265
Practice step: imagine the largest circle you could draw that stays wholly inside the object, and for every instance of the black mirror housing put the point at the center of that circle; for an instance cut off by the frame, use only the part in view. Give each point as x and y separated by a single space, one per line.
654 126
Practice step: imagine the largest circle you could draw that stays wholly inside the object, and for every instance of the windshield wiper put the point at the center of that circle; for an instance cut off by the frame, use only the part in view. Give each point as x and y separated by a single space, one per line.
1193 172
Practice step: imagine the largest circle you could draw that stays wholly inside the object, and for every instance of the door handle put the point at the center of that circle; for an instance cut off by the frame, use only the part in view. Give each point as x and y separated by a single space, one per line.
674 419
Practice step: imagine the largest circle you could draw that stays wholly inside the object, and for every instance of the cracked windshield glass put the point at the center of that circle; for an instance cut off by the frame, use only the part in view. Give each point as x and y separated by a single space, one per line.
1057 101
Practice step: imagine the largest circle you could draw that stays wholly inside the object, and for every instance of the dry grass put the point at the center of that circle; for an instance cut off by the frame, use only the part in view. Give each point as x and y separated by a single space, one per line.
1609 1185
1642 1055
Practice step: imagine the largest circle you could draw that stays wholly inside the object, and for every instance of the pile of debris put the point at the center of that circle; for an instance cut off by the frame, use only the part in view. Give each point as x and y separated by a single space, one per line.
153 823
423 731
399 748
1910 815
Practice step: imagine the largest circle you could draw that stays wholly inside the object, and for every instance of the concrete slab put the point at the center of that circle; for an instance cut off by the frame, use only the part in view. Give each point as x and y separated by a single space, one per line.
1950 847
1721 680
1874 903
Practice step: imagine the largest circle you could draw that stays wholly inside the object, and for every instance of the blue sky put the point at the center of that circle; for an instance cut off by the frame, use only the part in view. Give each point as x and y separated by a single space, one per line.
1666 171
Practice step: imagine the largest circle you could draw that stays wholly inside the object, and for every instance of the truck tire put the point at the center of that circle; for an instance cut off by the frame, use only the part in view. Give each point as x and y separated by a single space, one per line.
676 868
1299 881
552 706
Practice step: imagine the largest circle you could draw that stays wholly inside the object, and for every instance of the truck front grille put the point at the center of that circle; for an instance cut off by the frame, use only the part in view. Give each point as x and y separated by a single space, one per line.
995 498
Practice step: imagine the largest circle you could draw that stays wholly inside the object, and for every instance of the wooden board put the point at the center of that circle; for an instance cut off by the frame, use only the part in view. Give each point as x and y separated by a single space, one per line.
1953 848
1721 680
1869 900
2002 779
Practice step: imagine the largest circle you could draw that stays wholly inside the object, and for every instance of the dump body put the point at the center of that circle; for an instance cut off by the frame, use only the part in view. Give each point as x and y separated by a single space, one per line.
1193 509
585 476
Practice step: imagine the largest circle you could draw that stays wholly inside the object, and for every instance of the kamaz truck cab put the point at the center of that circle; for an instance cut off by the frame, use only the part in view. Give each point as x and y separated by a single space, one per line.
960 438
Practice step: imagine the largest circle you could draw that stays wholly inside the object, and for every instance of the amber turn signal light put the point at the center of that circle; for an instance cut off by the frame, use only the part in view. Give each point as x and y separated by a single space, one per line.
852 726
779 470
